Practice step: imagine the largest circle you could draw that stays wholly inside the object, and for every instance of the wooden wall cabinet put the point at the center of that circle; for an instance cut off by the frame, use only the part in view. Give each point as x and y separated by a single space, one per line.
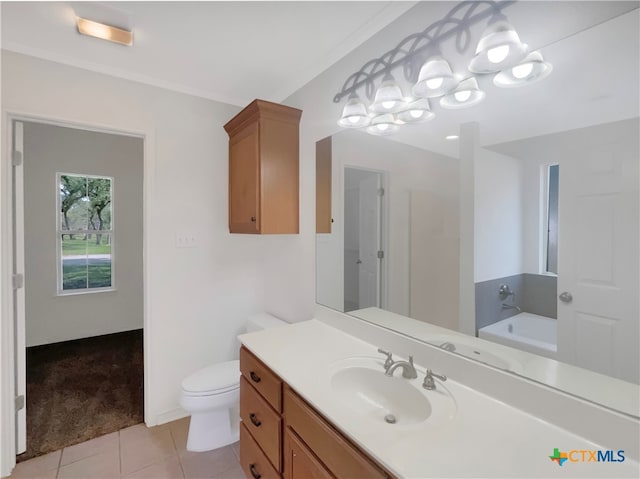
281 436
323 185
264 169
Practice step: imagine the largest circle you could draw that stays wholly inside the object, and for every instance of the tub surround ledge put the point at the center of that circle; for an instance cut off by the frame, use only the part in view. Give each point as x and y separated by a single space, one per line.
486 437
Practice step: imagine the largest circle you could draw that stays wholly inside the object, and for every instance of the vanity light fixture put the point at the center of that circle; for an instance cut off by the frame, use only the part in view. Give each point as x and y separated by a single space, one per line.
499 48
354 114
466 94
416 111
451 137
388 97
384 109
104 32
435 79
530 70
383 125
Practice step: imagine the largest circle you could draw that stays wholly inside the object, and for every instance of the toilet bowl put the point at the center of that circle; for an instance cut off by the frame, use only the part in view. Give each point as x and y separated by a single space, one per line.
211 396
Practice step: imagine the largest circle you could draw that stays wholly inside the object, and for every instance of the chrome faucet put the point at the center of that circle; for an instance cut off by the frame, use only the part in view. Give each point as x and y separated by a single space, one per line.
429 382
511 306
408 369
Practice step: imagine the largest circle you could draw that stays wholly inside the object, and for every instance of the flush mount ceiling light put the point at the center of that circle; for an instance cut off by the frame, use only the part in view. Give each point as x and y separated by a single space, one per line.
354 114
530 70
384 110
389 97
416 111
104 32
382 125
499 48
435 79
466 94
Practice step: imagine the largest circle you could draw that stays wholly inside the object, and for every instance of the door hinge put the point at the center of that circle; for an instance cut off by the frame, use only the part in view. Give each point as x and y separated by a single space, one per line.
20 402
380 191
380 254
17 281
16 158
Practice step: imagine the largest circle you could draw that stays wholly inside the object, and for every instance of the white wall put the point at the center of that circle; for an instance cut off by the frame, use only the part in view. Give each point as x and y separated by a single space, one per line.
498 215
197 299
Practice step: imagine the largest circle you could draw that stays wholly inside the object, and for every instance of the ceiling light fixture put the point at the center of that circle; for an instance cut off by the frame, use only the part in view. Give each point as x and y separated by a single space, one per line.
466 94
451 137
530 70
499 50
104 32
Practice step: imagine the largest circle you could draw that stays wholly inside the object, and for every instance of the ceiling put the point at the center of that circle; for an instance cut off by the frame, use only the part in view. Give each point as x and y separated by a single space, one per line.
226 51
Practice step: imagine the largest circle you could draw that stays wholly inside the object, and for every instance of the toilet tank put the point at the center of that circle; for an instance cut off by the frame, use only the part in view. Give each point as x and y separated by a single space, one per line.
260 321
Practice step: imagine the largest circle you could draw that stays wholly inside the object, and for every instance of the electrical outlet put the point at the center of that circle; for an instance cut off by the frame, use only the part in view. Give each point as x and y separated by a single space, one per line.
186 240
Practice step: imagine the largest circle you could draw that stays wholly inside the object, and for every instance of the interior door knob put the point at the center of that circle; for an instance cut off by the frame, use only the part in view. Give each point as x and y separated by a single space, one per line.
565 297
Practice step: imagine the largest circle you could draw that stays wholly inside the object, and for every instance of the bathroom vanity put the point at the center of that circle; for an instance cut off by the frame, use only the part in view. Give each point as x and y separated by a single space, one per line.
315 402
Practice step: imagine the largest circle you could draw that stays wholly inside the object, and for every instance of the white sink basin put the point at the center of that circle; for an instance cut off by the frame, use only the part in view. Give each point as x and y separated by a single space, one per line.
363 388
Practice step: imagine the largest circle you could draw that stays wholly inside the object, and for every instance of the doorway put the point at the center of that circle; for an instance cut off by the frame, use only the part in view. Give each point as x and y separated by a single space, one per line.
78 216
363 253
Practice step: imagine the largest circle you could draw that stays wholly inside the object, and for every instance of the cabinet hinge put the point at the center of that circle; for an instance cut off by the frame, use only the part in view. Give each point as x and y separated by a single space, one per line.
17 281
16 158
19 402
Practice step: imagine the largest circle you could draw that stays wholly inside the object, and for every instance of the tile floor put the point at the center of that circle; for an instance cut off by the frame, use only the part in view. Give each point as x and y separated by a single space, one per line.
136 452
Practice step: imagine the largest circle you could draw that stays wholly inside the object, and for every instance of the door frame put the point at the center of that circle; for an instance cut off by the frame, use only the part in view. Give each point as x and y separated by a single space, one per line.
384 231
7 328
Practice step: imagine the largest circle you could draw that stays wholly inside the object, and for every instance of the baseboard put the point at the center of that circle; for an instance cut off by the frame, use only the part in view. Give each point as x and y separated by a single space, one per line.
172 415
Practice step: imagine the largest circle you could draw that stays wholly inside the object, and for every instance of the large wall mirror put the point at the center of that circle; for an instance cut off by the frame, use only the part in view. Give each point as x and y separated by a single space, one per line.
531 214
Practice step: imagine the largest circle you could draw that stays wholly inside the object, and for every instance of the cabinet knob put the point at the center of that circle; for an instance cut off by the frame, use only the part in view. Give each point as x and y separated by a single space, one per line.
253 219
254 419
254 377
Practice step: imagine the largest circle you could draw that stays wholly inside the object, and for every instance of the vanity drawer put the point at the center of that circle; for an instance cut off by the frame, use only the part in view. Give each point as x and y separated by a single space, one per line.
263 423
339 456
261 378
252 460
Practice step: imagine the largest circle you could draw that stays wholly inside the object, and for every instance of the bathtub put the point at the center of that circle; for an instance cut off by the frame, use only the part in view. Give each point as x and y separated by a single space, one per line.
525 331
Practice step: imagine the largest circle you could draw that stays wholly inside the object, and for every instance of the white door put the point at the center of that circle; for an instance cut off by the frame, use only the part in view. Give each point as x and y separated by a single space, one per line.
369 271
18 291
598 259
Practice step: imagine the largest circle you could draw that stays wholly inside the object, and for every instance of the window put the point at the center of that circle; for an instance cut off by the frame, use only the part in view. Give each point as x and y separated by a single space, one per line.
85 233
552 219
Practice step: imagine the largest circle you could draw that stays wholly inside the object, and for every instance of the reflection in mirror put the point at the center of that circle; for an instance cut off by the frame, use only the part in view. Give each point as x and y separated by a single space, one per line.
550 213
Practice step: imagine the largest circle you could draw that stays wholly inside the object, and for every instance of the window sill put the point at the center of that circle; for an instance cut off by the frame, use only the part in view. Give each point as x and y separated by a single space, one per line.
83 292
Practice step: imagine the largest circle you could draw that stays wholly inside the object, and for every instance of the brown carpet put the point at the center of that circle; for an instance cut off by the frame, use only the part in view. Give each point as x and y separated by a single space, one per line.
78 390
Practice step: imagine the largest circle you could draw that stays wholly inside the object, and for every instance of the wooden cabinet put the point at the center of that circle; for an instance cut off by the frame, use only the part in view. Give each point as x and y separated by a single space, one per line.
281 434
323 185
263 169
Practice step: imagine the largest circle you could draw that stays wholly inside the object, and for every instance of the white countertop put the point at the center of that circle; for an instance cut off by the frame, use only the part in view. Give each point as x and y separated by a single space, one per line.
485 438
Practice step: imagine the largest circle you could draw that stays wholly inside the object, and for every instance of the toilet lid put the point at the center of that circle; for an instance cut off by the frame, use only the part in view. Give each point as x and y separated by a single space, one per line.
217 377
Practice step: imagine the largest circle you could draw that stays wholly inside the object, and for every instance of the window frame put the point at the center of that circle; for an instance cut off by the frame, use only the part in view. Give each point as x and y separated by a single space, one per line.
544 227
59 232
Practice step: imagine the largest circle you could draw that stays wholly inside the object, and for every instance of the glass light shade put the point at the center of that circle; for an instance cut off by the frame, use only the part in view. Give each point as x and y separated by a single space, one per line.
499 48
382 125
416 111
388 97
529 70
354 114
466 94
435 79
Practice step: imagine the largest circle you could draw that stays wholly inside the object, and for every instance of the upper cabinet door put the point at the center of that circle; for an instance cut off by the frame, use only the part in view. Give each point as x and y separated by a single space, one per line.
244 187
263 169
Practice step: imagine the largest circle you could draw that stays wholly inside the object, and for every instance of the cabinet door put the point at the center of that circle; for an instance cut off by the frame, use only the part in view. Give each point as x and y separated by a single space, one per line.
299 462
323 186
244 184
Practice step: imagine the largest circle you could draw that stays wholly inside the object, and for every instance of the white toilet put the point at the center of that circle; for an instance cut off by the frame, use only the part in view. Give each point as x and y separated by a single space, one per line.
212 395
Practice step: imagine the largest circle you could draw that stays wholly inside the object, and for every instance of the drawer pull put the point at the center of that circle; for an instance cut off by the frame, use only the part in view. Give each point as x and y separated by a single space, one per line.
254 473
254 377
256 422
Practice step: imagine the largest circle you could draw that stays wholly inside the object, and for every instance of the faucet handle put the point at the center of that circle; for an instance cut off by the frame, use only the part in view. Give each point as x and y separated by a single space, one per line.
429 382
389 361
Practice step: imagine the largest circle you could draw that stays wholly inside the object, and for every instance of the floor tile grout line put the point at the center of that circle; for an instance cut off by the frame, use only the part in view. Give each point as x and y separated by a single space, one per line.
119 454
175 446
59 463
